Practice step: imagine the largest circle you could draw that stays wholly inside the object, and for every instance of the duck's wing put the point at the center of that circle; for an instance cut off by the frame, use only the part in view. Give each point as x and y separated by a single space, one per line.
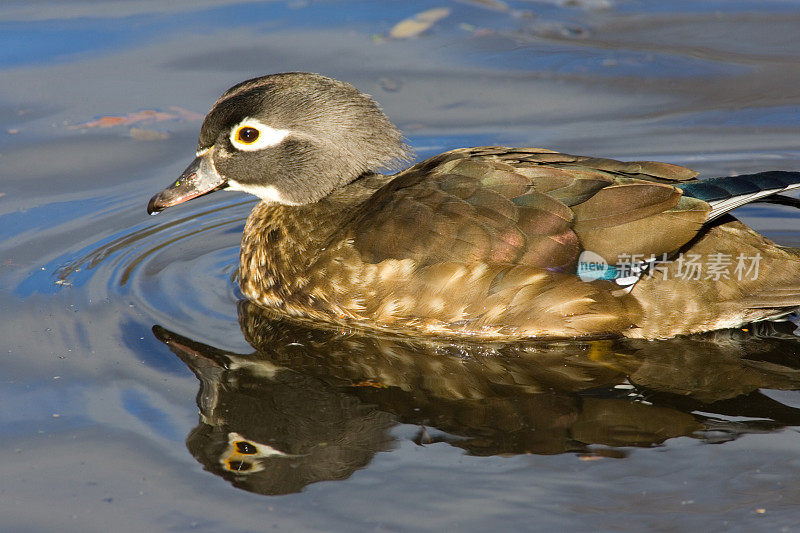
492 236
527 207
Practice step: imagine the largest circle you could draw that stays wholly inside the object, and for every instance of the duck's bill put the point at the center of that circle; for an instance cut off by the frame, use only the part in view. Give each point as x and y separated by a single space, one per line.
198 179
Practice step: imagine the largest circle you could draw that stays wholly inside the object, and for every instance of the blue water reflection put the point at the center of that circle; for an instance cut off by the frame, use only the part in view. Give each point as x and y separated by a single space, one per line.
102 422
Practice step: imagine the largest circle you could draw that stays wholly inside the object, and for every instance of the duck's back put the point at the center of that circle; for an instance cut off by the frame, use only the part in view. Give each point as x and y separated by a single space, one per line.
482 241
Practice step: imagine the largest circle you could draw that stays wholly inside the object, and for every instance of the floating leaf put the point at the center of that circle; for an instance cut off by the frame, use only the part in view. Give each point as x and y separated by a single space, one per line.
141 134
414 26
146 115
185 114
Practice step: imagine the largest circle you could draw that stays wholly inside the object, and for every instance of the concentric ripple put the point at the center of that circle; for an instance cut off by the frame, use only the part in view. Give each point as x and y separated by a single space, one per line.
180 265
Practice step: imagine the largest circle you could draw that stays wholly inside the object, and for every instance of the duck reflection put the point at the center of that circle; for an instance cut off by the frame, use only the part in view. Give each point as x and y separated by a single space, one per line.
272 430
311 405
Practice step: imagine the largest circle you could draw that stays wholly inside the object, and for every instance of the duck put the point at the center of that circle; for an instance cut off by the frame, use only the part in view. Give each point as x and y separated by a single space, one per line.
489 242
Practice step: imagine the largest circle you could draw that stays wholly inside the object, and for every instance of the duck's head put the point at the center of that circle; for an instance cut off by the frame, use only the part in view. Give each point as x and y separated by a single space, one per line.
289 138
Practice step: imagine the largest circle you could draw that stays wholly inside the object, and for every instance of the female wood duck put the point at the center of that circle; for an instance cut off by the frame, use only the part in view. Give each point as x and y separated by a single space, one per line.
487 242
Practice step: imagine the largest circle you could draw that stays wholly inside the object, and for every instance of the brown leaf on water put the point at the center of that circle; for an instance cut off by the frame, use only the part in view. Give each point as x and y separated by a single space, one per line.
102 122
185 114
141 134
419 23
145 115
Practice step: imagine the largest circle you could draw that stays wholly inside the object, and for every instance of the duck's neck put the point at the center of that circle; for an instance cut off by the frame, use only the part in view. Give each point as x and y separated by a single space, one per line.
281 244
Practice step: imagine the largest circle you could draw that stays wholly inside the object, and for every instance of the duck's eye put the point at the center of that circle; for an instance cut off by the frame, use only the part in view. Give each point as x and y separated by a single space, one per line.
247 135
245 448
239 466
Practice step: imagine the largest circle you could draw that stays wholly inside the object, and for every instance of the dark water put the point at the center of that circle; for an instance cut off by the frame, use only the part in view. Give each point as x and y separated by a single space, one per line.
118 328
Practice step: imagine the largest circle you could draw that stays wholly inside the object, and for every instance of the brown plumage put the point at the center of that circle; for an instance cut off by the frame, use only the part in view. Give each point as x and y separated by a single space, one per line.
481 241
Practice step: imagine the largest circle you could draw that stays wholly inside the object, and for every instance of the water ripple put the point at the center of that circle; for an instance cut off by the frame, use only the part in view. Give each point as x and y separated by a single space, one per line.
180 266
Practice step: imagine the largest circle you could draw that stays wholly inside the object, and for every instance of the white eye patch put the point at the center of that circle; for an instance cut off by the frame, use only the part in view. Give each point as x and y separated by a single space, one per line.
251 134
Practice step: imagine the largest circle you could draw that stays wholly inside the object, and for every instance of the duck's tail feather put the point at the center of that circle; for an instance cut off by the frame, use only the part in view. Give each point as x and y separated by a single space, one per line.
729 192
781 199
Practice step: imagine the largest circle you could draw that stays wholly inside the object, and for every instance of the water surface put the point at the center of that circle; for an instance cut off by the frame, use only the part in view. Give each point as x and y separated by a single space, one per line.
136 386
